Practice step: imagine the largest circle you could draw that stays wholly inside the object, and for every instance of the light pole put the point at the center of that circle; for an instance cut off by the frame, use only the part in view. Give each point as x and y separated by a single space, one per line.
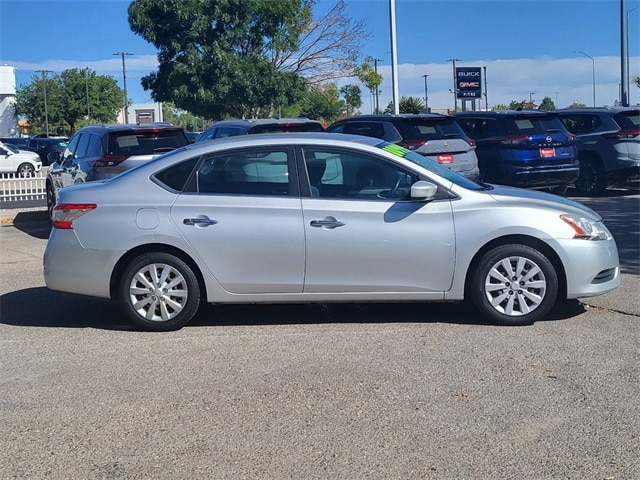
375 69
625 73
593 74
426 94
124 83
455 89
46 109
86 86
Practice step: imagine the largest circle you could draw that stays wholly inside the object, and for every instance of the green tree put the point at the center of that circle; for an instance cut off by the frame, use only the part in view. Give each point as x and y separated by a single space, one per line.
322 103
525 105
182 118
352 98
216 56
637 81
577 104
547 104
74 98
367 74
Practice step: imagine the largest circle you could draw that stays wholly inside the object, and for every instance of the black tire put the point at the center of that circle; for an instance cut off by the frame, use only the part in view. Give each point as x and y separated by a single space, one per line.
514 285
592 179
51 200
159 292
26 170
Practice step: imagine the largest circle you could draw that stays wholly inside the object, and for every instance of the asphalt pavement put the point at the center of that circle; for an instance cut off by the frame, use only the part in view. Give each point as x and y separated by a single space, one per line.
377 391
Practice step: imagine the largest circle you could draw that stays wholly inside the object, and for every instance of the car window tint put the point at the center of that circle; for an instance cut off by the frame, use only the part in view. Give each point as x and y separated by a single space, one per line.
224 132
421 129
533 124
368 129
94 148
83 145
69 151
176 176
248 172
345 174
150 142
628 120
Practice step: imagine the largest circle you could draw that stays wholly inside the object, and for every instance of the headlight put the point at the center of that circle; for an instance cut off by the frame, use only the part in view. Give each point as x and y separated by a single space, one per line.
585 228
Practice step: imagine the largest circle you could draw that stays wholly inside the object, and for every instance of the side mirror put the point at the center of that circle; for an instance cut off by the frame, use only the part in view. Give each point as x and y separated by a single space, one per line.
423 191
54 157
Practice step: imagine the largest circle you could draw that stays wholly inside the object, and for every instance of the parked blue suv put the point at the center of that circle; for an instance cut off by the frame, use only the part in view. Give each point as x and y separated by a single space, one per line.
523 148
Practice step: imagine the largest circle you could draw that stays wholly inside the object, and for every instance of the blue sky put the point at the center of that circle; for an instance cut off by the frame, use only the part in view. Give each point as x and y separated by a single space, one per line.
528 47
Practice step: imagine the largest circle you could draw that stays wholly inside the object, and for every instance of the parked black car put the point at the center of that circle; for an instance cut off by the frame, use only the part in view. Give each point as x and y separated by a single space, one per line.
19 142
608 141
231 128
99 152
434 136
43 146
523 148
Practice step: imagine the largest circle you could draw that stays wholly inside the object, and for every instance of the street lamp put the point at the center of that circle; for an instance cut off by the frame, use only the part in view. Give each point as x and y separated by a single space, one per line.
124 83
426 95
455 87
375 69
593 73
625 94
46 109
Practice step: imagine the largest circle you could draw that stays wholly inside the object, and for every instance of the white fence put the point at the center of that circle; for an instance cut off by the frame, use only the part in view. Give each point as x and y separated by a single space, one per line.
14 188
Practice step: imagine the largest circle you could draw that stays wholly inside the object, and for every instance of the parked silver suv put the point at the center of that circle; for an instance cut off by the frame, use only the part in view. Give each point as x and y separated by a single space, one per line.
434 136
608 141
99 152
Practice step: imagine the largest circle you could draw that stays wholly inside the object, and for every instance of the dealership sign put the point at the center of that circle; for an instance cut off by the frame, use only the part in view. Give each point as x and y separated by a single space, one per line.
468 82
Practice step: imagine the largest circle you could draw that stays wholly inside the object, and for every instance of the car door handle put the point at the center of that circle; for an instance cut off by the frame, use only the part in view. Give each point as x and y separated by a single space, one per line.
328 223
201 221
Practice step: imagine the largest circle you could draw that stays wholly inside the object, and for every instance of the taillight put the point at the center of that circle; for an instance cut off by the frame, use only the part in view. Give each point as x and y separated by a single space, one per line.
514 139
65 213
412 144
110 160
622 134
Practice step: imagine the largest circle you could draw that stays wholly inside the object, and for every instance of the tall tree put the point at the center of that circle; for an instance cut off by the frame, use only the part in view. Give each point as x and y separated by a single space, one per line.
74 98
322 103
367 74
547 104
352 98
216 55
329 45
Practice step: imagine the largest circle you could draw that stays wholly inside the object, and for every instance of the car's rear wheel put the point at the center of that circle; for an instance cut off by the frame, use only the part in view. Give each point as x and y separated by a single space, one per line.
592 179
514 285
26 170
159 292
51 200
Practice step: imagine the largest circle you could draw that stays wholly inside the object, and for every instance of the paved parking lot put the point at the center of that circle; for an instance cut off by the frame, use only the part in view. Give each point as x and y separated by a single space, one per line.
317 391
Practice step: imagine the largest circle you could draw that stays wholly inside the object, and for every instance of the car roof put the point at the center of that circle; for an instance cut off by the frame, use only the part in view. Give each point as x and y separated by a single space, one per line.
392 116
294 138
607 110
264 121
133 127
504 113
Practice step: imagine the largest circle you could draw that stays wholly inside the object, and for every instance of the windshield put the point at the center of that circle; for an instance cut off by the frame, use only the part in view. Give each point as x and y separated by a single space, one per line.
431 165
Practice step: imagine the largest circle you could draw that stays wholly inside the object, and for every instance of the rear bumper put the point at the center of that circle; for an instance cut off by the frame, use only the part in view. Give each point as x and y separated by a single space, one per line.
539 177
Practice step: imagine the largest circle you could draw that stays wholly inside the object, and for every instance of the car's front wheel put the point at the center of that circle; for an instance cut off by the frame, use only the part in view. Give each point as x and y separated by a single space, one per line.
26 170
159 292
514 285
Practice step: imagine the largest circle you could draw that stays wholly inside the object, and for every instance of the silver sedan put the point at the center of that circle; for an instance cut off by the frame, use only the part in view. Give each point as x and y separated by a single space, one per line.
288 218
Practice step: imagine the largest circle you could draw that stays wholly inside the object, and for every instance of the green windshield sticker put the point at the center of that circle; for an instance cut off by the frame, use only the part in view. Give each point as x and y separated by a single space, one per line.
396 150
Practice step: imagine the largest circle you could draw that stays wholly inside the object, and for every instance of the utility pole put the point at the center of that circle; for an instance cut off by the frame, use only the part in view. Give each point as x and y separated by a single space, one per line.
455 89
124 83
46 108
375 69
426 94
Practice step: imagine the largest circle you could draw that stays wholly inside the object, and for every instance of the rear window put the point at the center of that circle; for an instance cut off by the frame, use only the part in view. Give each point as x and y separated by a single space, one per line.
424 129
145 142
534 124
628 120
